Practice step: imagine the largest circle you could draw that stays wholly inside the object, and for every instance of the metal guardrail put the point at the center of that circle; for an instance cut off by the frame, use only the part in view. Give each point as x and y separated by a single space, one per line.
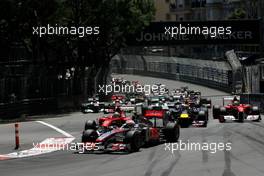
27 107
39 106
208 76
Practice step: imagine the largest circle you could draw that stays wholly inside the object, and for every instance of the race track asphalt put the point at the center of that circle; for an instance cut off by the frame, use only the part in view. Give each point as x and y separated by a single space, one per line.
246 158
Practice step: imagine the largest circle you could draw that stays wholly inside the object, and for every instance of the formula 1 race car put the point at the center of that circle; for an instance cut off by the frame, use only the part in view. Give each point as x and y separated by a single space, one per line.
236 111
113 120
109 108
161 126
121 133
92 105
192 115
124 138
114 133
206 102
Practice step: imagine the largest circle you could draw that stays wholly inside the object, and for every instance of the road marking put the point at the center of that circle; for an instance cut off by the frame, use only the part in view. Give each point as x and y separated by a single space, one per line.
3 157
47 146
56 129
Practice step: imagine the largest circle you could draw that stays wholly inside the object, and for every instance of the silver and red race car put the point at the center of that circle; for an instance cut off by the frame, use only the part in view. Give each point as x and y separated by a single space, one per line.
118 133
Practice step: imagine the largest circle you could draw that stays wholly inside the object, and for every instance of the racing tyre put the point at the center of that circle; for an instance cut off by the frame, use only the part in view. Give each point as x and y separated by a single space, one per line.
96 110
172 132
255 111
216 111
89 136
221 119
208 100
90 124
203 117
241 117
134 139
221 114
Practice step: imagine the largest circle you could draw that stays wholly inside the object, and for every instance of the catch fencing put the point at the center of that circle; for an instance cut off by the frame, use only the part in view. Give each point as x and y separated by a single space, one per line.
215 74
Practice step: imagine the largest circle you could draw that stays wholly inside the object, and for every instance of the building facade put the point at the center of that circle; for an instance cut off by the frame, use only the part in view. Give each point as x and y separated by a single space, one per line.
206 10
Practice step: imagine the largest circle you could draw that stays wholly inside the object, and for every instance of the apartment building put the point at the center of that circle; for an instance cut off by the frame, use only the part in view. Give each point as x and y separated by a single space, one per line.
206 10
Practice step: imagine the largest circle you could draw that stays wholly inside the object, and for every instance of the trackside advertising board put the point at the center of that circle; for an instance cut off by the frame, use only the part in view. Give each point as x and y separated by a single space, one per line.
198 32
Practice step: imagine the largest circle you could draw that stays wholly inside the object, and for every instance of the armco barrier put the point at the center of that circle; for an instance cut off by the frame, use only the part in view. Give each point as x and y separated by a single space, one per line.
39 106
26 107
215 74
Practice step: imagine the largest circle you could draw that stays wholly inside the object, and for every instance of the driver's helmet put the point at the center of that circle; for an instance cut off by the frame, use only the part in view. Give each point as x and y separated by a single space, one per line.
178 102
236 103
235 98
171 99
116 115
134 113
178 106
130 123
118 109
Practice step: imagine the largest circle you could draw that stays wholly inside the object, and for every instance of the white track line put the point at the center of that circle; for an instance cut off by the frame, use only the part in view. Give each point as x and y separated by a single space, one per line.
38 150
57 129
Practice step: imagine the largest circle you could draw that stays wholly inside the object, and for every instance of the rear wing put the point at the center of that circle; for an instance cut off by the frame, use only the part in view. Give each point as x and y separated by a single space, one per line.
117 97
154 113
230 99
127 108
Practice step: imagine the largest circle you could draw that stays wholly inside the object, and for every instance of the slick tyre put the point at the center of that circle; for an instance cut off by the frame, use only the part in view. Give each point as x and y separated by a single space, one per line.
172 132
89 136
90 124
134 139
216 111
241 117
221 119
255 111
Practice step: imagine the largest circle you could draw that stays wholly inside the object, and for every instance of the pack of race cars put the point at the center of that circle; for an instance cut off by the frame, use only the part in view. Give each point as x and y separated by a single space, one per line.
155 117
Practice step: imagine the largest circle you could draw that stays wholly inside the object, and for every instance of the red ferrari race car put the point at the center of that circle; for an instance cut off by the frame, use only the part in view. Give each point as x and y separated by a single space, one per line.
120 97
236 111
113 120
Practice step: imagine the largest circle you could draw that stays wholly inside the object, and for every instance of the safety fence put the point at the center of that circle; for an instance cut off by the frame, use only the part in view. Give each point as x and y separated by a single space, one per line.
215 74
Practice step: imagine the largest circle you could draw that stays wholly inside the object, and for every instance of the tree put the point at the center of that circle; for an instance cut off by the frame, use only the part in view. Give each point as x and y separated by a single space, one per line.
116 19
238 14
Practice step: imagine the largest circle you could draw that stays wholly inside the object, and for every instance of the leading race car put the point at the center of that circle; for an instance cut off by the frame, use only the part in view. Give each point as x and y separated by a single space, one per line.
125 138
120 133
116 132
236 111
